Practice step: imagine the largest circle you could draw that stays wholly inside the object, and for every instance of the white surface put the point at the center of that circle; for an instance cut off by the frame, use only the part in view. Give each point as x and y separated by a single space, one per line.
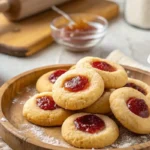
137 12
132 41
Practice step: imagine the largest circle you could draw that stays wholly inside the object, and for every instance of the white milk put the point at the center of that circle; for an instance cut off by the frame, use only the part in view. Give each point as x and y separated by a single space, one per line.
137 13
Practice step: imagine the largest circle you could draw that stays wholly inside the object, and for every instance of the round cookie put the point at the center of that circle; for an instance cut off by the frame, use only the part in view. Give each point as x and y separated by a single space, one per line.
140 86
42 110
132 109
114 75
46 81
101 106
84 130
78 88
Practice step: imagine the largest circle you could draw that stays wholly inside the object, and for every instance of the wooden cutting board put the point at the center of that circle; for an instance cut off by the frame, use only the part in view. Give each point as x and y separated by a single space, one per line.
31 35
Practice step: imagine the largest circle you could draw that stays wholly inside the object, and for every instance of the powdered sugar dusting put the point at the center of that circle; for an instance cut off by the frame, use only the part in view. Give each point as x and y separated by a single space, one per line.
24 95
128 138
46 135
125 139
129 74
41 135
22 102
15 100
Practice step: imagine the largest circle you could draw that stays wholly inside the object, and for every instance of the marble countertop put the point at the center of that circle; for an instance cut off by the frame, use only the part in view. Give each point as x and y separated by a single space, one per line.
130 40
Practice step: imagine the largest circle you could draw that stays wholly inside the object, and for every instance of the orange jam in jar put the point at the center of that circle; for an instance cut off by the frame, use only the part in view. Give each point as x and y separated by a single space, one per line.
83 34
79 34
80 26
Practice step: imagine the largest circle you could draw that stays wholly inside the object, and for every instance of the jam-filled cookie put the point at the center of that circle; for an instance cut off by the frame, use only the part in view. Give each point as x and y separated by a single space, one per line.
78 88
46 81
132 109
85 130
42 110
101 106
140 86
114 75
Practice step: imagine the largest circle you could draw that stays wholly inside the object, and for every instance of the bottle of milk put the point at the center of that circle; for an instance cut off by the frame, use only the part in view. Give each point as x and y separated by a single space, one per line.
137 13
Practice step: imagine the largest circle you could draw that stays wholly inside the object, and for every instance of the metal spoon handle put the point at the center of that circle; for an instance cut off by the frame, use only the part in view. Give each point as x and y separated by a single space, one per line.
63 14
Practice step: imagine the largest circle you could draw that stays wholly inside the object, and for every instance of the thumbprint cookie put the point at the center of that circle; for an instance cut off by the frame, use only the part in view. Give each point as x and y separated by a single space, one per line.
46 81
140 86
114 75
132 109
101 106
84 130
42 110
78 88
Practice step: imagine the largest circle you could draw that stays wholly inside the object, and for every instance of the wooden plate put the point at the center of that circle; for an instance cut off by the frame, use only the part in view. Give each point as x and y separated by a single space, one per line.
15 130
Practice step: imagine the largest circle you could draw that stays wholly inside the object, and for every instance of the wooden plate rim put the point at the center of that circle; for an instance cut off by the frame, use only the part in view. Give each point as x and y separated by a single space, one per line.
9 127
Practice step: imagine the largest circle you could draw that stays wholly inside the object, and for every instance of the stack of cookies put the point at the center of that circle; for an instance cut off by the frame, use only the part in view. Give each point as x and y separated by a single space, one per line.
82 98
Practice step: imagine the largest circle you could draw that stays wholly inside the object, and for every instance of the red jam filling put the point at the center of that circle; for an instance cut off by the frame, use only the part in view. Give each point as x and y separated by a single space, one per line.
103 66
138 107
134 86
46 103
76 83
89 123
54 76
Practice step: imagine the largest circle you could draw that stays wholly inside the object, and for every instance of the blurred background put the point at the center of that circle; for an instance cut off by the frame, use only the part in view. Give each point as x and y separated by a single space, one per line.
128 39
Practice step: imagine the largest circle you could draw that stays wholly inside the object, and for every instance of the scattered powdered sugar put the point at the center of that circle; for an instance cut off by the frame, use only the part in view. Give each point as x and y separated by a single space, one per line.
31 90
125 139
129 74
39 133
28 89
128 138
24 95
15 100
124 145
3 119
22 102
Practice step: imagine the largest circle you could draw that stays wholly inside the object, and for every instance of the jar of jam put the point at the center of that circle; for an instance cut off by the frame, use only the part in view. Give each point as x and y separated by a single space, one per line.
87 31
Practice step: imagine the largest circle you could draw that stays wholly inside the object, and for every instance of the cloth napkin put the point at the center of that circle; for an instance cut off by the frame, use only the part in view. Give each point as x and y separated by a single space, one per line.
115 56
119 57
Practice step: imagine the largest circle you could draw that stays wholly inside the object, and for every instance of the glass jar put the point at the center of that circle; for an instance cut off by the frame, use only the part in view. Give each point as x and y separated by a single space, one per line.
137 13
